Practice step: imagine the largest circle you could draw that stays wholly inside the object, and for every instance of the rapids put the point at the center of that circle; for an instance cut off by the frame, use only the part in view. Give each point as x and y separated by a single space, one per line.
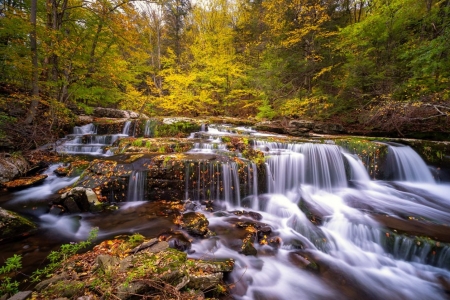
347 253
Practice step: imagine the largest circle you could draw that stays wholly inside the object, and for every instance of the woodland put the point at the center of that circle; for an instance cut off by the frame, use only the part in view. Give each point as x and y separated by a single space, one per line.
376 65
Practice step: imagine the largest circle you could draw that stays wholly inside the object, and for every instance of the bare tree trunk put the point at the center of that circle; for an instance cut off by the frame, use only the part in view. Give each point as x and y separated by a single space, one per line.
34 60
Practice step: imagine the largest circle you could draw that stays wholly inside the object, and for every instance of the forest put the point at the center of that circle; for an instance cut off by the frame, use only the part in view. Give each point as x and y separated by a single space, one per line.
374 64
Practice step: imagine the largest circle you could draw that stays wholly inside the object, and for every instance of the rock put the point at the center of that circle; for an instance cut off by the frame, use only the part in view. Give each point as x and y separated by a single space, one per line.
128 291
270 126
177 240
56 210
144 246
216 266
161 246
125 264
24 182
309 125
45 283
11 167
79 199
204 281
101 112
61 171
195 224
328 128
248 248
106 262
13 225
68 288
21 295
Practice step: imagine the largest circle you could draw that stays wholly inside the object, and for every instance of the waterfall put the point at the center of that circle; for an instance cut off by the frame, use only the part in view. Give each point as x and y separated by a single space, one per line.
136 186
357 169
290 165
149 128
85 129
404 164
126 128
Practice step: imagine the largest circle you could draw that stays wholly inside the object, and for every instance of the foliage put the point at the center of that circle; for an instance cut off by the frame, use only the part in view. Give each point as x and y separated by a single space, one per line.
57 258
270 59
9 286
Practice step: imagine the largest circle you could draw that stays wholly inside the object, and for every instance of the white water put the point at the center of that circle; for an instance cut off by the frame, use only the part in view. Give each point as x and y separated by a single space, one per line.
136 186
85 140
50 186
126 128
349 246
349 242
407 165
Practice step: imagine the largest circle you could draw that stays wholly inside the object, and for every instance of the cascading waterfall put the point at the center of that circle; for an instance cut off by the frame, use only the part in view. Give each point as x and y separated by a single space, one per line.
320 165
213 180
126 128
348 239
327 239
406 165
136 186
357 169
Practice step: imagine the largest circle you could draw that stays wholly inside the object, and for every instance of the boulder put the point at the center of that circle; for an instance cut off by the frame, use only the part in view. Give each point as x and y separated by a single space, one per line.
195 224
79 199
11 167
13 225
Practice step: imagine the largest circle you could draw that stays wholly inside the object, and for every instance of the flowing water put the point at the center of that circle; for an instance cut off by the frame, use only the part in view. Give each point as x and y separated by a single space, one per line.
327 235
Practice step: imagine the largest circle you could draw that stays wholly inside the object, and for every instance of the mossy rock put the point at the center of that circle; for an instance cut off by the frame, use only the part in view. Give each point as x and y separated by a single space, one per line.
13 225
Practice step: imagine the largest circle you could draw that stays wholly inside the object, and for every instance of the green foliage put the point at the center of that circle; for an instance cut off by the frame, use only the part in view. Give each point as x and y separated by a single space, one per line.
8 285
57 258
136 239
266 111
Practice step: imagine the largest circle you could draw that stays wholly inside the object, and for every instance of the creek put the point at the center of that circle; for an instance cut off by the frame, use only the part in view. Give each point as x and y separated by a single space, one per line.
333 231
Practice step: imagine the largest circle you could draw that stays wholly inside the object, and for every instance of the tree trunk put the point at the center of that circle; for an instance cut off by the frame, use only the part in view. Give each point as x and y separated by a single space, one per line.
34 60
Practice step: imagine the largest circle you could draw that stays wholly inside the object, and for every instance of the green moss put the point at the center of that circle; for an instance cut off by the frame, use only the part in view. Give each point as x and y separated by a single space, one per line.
178 129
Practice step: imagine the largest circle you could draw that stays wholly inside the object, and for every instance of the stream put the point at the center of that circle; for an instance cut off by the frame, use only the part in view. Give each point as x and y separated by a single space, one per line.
347 253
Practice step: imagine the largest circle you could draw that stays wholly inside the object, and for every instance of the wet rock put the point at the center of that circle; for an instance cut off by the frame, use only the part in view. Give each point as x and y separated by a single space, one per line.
247 247
61 171
177 240
56 210
79 199
25 182
11 167
13 225
195 224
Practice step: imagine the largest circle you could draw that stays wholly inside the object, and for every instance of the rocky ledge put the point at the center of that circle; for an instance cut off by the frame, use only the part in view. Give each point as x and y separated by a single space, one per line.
134 268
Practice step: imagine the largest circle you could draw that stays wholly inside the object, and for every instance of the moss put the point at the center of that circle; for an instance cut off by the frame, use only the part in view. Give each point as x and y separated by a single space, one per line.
178 129
13 225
